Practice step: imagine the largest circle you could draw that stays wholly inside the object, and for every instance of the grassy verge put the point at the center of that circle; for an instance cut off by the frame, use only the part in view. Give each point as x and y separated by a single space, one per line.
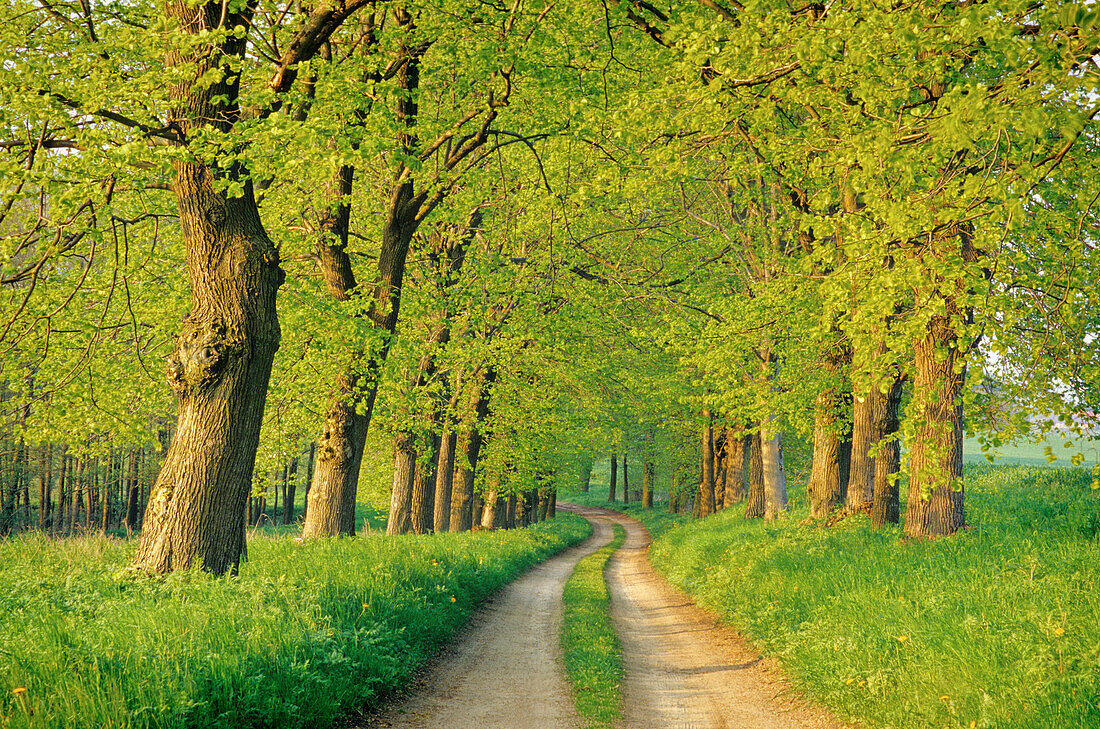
593 657
996 627
309 633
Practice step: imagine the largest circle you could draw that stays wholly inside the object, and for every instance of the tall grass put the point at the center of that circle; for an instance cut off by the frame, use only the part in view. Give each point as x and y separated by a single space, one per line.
998 626
307 634
593 656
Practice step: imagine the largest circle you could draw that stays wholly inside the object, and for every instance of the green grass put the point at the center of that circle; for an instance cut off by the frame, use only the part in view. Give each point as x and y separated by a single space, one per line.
1026 453
308 634
593 657
998 626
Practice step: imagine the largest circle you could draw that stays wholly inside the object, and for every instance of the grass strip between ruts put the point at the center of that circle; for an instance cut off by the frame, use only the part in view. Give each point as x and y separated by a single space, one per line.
593 656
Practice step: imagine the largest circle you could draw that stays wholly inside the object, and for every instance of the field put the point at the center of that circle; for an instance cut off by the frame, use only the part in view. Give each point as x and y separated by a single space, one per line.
308 634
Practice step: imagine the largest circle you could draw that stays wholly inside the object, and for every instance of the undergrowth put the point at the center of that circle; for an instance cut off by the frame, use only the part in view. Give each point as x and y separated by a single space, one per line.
308 634
593 656
998 626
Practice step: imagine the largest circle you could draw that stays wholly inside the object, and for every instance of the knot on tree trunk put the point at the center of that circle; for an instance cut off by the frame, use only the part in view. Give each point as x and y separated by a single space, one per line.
203 350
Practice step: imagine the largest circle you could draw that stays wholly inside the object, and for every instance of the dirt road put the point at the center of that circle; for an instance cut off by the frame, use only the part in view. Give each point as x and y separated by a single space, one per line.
504 671
683 669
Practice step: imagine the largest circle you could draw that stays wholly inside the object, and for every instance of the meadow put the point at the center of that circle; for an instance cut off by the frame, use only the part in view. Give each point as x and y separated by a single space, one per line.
998 626
309 634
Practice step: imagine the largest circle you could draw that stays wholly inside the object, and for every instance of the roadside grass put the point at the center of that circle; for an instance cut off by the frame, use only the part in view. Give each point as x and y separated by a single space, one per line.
593 656
309 634
998 626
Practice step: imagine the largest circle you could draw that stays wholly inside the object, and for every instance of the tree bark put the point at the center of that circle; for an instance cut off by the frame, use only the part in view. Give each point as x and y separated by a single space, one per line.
444 482
423 490
614 475
885 507
737 457
626 482
861 477
222 361
935 503
754 504
290 490
470 451
404 467
775 478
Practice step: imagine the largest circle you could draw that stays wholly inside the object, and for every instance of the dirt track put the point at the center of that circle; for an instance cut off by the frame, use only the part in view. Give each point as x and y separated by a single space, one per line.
683 669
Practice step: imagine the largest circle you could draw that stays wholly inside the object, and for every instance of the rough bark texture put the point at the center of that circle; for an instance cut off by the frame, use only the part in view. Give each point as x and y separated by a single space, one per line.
775 476
885 507
444 482
404 467
737 457
222 360
423 491
935 503
861 476
754 504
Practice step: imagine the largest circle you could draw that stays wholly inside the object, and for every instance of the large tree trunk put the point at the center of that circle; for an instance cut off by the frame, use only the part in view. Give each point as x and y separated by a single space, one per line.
861 476
828 473
404 468
737 457
222 360
706 485
444 482
754 504
219 372
885 507
775 478
935 503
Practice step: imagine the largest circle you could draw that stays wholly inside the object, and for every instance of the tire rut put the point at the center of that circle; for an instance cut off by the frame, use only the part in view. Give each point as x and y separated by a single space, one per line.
505 670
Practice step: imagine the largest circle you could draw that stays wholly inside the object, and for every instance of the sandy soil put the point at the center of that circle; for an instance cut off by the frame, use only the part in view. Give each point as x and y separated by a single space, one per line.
683 669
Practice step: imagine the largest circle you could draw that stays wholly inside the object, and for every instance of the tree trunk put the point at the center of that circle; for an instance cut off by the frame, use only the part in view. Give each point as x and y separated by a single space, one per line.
754 504
674 492
423 491
444 482
885 506
775 478
861 477
626 481
291 490
706 482
404 469
824 486
222 361
133 492
614 475
737 457
45 483
935 503
489 513
586 473
462 497
311 460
